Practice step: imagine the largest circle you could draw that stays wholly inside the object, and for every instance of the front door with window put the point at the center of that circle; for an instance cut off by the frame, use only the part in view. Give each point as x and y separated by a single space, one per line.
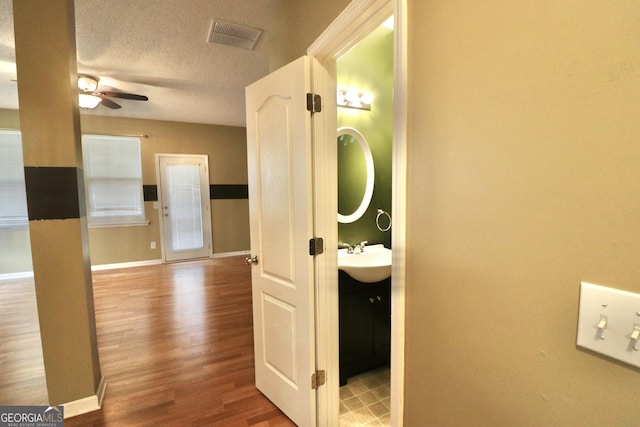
184 206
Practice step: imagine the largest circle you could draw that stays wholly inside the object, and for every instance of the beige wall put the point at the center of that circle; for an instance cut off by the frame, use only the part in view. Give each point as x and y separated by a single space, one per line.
9 119
15 251
295 24
226 148
524 179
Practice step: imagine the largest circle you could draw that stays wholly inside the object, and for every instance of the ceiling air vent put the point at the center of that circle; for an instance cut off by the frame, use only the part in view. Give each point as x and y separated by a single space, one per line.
233 34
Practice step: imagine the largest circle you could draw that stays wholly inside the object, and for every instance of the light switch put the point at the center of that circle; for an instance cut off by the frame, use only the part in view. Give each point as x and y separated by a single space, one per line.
609 322
602 324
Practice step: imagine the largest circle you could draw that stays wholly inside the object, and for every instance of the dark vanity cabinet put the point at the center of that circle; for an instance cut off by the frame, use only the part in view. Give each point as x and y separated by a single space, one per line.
365 325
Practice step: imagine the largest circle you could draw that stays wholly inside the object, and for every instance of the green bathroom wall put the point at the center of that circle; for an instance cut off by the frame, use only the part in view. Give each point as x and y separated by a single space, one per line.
368 67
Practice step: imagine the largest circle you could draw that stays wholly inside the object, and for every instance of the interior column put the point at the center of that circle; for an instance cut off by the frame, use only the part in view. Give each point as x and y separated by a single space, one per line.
51 139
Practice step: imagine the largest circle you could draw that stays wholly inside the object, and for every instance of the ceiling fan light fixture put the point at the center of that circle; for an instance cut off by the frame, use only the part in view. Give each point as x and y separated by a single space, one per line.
88 101
87 83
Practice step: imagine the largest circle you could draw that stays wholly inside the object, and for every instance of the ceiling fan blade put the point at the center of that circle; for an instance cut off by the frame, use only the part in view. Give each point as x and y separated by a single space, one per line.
123 95
109 103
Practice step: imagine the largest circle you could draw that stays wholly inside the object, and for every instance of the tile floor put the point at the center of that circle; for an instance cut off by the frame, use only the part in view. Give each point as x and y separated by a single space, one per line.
365 401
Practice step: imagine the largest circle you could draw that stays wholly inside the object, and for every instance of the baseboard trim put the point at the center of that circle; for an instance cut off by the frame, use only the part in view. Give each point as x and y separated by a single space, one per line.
126 265
29 274
229 254
86 404
19 275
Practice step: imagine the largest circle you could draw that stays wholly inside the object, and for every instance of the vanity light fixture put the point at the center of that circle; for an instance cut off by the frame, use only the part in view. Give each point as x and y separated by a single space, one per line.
354 99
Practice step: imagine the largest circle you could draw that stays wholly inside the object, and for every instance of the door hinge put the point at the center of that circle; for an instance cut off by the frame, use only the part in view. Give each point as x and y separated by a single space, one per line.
318 378
316 246
314 103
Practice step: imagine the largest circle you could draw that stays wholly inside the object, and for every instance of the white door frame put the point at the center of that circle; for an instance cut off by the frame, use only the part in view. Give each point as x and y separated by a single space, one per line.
207 218
357 21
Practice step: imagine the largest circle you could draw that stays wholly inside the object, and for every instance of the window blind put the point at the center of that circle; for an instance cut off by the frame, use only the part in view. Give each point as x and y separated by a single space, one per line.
13 194
186 214
113 180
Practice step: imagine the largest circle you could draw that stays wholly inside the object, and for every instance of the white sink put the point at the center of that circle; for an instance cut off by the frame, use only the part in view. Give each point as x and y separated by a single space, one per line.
370 266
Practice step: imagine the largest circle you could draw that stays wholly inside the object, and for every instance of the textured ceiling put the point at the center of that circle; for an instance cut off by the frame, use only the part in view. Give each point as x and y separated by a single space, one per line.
158 48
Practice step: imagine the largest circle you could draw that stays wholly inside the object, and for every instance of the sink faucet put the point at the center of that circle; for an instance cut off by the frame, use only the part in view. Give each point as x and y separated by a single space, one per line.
359 248
349 247
355 249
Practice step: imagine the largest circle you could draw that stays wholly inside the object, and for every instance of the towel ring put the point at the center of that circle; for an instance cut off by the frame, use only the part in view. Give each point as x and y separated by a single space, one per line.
380 213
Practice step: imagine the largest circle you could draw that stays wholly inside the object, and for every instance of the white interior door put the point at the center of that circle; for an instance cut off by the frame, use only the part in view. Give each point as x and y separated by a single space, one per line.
280 204
184 206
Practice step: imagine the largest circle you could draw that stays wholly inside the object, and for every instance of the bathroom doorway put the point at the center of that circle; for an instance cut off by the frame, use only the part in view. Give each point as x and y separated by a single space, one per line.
357 21
364 77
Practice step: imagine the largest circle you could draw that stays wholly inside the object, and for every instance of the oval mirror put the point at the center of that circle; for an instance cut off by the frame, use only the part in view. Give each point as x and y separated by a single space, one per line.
355 175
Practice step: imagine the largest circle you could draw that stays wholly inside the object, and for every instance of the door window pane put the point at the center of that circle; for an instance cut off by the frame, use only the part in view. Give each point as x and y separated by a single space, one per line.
186 206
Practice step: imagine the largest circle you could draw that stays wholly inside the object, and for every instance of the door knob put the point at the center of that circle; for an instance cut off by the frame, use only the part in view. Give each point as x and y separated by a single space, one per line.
252 259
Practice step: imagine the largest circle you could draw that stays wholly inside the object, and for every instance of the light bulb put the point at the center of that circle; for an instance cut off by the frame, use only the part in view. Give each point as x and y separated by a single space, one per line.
352 96
87 83
367 98
88 101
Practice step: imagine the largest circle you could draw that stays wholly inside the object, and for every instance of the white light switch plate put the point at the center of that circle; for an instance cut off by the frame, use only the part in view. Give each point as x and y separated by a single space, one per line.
620 310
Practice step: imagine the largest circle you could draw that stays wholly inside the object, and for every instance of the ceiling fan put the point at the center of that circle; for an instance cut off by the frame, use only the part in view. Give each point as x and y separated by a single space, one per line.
90 97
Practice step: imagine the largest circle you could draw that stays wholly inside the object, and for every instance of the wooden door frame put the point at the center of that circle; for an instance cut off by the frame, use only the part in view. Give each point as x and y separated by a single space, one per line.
357 21
158 156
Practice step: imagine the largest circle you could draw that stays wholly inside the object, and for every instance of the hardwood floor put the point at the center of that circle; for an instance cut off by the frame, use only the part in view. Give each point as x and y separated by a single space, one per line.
176 347
22 380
